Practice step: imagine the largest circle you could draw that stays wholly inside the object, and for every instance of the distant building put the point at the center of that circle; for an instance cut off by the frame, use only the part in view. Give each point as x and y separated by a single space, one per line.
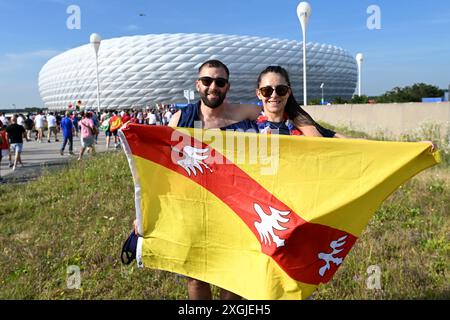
137 71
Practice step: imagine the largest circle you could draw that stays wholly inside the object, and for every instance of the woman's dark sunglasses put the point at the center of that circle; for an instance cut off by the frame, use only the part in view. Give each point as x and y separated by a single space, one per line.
281 90
207 81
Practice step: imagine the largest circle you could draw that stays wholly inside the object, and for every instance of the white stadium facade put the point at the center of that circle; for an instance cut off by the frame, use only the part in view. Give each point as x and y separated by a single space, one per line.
140 71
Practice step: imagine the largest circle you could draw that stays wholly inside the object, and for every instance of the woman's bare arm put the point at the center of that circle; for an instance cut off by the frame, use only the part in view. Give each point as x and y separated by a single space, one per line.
310 131
175 119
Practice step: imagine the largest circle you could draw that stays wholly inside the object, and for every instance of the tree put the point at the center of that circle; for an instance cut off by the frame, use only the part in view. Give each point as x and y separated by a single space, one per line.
314 102
413 93
339 100
359 99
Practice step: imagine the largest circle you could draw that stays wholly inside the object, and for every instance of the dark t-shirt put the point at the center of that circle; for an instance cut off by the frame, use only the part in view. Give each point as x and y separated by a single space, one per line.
29 124
189 115
15 133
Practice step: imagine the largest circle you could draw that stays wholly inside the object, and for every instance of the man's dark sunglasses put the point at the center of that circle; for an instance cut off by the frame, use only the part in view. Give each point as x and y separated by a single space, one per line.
281 90
207 81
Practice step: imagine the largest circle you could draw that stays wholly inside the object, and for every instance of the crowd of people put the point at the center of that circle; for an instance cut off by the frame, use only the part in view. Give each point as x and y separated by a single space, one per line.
86 124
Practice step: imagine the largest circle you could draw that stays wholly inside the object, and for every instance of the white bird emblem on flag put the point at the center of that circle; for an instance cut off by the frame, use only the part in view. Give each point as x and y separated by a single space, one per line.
193 160
329 257
269 223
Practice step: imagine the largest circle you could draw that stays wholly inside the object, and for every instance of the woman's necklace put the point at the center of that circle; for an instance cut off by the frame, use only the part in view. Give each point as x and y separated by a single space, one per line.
277 125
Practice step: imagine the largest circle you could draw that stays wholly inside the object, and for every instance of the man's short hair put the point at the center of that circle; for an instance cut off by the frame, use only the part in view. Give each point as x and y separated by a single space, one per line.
214 64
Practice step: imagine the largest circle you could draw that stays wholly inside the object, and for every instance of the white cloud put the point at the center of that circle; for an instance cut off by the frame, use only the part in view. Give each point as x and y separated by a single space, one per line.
23 94
438 21
12 63
23 67
132 27
40 54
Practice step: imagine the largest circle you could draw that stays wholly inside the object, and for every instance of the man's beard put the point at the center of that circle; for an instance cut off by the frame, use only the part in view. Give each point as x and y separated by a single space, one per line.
212 103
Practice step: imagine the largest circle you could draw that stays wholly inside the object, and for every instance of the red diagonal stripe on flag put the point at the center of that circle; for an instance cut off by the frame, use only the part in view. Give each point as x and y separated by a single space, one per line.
311 253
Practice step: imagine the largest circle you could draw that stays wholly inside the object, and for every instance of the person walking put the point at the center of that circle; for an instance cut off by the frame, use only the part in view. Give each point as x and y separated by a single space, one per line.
67 131
51 122
16 134
29 125
4 147
87 133
115 122
39 123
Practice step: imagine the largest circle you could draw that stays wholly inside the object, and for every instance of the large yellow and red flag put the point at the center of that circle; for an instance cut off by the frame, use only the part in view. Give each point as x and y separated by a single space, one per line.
263 216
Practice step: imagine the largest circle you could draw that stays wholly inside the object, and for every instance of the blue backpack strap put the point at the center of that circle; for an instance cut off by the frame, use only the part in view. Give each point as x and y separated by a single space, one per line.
129 248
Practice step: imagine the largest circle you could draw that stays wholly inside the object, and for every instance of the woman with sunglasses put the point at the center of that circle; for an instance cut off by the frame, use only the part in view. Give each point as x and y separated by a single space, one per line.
280 106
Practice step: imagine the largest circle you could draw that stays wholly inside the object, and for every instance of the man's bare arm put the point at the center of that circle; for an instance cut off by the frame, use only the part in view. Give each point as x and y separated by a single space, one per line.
250 111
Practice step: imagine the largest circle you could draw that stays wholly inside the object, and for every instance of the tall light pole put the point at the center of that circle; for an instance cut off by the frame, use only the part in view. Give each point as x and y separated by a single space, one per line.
95 40
303 13
359 60
321 87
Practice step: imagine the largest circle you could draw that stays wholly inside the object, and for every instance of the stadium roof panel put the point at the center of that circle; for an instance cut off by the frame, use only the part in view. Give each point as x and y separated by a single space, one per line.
159 68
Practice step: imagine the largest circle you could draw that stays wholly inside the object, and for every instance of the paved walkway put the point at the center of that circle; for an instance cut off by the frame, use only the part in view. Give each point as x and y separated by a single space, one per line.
38 156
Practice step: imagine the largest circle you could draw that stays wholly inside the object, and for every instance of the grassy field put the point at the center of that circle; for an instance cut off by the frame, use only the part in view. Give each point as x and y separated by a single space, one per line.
81 216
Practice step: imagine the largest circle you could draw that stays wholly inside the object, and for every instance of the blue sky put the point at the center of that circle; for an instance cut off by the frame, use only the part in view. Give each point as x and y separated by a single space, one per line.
413 44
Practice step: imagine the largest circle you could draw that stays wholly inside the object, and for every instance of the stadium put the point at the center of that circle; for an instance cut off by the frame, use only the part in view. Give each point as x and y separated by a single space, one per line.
138 71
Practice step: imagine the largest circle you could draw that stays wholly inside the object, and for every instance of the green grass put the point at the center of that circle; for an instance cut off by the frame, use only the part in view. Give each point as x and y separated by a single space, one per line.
408 239
78 216
81 216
